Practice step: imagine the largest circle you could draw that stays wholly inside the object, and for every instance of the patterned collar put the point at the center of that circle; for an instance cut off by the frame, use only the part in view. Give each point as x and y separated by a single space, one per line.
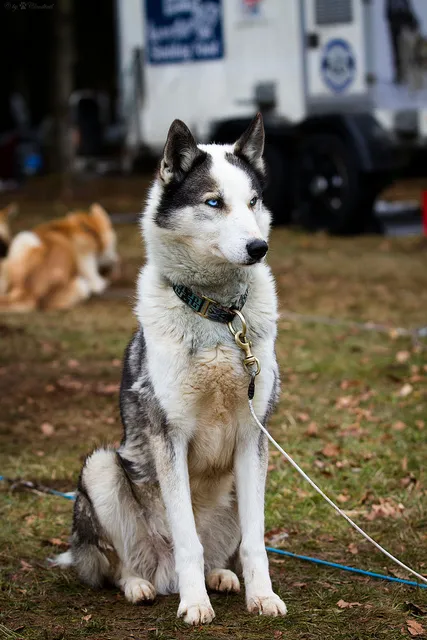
206 307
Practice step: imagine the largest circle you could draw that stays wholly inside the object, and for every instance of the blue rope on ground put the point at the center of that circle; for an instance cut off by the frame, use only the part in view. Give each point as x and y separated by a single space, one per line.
335 565
70 495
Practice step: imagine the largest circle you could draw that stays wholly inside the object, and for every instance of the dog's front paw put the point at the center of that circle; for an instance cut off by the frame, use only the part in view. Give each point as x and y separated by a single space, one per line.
269 605
197 612
98 285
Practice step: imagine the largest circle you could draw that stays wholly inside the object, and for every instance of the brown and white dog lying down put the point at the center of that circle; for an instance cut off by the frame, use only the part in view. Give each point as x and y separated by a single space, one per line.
5 239
5 234
58 263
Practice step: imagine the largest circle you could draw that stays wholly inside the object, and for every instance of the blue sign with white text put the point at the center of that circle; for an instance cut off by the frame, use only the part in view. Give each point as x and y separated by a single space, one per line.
183 30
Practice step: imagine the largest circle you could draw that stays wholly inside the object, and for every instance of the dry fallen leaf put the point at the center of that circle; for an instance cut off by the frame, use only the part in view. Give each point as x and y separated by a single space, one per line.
344 402
385 509
312 429
276 537
107 389
402 356
87 618
415 628
47 429
342 497
353 548
409 482
57 542
330 450
342 604
399 573
406 390
70 383
399 426
346 384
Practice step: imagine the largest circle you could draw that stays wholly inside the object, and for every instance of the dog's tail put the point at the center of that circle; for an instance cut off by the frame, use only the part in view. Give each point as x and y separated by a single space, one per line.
63 560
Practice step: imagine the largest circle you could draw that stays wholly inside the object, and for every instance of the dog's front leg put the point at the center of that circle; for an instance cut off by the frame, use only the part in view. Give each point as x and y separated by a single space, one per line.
251 468
88 268
172 468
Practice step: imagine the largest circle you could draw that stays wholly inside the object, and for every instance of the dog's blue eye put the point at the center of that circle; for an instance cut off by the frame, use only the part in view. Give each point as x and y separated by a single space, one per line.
212 202
253 201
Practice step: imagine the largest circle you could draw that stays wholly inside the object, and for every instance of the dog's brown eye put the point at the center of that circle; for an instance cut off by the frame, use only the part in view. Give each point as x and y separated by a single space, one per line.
253 202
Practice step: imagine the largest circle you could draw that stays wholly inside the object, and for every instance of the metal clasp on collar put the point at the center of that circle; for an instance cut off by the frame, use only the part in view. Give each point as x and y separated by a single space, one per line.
250 361
205 308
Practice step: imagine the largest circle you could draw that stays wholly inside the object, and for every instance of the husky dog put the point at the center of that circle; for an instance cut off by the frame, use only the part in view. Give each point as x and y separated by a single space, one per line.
181 502
57 264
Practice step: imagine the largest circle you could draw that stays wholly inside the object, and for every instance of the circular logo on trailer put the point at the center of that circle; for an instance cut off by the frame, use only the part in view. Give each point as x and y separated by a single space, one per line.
338 65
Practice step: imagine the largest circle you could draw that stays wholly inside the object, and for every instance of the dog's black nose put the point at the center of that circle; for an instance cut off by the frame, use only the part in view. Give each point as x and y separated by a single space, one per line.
257 249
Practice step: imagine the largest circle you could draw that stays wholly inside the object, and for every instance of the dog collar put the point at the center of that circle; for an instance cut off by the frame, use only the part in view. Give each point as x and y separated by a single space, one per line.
208 308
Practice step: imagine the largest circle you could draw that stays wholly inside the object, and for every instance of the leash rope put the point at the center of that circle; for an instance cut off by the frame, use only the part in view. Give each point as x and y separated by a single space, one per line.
71 495
253 368
330 502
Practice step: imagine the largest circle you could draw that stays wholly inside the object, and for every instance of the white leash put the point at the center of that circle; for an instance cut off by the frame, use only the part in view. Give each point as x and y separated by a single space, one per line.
329 501
253 368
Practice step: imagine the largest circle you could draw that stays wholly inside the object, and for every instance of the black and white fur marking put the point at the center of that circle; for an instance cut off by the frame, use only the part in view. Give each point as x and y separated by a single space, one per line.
179 507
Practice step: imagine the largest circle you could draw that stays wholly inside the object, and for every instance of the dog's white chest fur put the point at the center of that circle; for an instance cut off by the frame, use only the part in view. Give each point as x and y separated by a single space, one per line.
215 387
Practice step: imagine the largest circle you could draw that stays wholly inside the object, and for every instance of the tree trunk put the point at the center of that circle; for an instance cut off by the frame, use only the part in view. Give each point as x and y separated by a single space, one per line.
63 86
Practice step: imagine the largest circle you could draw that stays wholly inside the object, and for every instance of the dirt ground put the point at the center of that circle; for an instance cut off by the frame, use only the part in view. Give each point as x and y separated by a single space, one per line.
353 413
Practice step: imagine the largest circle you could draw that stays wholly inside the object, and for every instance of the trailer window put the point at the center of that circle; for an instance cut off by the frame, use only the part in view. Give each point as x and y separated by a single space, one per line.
334 11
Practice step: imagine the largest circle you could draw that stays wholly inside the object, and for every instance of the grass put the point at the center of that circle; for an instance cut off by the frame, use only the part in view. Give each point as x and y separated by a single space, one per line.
352 412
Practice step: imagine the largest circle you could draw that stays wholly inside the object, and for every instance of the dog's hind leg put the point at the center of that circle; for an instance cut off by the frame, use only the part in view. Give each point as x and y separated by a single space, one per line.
220 536
136 589
223 580
69 295
109 540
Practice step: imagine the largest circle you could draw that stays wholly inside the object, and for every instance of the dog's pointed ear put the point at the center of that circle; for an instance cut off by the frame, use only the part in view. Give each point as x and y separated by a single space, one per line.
179 153
98 212
250 145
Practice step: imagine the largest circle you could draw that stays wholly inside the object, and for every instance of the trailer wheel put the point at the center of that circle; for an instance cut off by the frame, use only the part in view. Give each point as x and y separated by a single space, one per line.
331 191
278 195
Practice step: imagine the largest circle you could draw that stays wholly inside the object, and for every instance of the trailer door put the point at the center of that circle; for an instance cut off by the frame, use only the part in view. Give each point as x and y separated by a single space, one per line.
334 48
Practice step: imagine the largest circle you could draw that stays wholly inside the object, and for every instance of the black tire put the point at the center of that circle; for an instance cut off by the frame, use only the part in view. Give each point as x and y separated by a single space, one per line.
331 191
278 193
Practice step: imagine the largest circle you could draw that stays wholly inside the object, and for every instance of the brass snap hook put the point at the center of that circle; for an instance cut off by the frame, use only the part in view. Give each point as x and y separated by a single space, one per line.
242 320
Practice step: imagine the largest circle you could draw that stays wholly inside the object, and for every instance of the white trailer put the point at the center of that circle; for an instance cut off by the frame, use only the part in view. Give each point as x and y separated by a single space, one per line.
342 85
